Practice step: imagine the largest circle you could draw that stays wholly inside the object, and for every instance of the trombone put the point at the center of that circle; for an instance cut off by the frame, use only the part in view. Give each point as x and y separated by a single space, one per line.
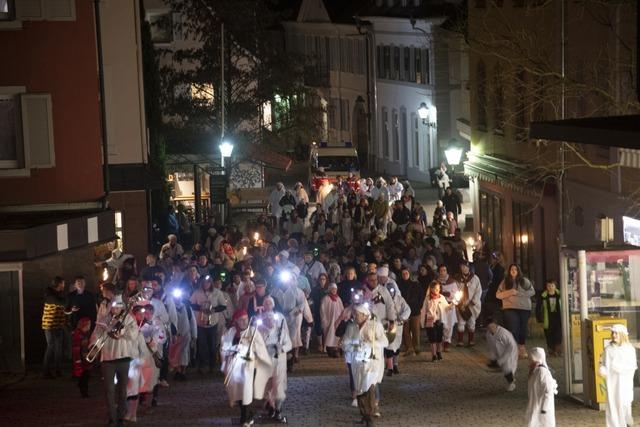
113 329
246 356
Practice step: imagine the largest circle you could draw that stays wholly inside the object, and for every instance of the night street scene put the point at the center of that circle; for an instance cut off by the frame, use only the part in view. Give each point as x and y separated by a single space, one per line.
388 213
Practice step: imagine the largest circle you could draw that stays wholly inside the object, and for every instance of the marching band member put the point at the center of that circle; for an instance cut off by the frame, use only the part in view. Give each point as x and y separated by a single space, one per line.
365 339
275 333
246 364
120 332
143 373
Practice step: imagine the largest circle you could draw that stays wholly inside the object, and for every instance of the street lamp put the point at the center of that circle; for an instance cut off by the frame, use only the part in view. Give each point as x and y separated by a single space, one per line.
226 148
428 115
453 154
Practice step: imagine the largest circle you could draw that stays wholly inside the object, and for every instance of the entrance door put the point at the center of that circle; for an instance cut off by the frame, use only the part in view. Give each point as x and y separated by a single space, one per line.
11 348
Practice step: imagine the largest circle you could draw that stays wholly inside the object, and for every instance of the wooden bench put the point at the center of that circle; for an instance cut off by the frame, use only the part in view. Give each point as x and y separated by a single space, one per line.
250 200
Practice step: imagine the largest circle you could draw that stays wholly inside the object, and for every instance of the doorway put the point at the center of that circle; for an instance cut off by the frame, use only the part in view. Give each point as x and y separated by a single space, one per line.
11 327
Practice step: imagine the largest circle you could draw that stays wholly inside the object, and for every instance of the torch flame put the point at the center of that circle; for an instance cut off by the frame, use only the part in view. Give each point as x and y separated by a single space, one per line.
105 275
244 250
457 297
256 236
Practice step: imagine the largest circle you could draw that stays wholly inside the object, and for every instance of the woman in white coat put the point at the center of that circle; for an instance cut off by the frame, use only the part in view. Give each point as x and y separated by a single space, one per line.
185 337
541 409
275 333
503 352
246 365
469 305
365 339
617 365
403 312
331 308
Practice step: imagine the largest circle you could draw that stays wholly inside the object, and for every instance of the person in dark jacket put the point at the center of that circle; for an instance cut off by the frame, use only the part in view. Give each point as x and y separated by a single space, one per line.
81 303
54 320
401 214
451 203
349 285
414 295
497 271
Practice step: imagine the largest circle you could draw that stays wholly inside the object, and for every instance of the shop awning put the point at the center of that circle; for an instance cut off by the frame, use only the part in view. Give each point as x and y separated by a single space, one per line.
25 236
613 131
266 156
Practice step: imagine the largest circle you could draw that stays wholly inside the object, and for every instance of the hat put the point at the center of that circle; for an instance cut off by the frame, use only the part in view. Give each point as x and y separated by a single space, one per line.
621 329
464 262
117 301
363 309
333 286
537 355
284 254
238 314
212 231
383 271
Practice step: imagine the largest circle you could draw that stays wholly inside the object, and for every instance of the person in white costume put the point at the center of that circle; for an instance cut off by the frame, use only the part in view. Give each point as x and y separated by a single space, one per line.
143 373
469 305
331 308
395 190
541 410
403 312
274 202
618 364
275 333
503 352
448 289
365 339
435 309
246 365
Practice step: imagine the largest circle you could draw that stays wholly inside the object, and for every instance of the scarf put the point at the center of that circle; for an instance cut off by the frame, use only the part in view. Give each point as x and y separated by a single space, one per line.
333 297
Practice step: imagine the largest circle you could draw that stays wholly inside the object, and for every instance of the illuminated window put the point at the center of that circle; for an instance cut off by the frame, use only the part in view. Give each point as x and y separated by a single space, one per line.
491 219
523 237
267 115
119 230
203 93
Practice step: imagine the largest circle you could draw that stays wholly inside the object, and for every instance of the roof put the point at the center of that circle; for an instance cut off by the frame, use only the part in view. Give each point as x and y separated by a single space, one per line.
612 131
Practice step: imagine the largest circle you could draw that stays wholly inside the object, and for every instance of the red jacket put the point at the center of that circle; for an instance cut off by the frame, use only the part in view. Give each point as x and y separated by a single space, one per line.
79 349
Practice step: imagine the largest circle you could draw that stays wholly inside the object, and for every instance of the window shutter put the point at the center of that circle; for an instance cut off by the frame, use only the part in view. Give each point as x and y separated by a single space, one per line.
176 22
37 128
60 10
29 10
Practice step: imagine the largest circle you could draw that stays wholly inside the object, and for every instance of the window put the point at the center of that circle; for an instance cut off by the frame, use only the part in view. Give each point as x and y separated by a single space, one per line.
498 100
7 10
418 66
333 119
202 93
119 230
396 63
344 115
491 220
481 96
380 61
427 73
406 64
415 123
161 25
387 63
396 136
385 133
403 130
523 237
338 163
26 131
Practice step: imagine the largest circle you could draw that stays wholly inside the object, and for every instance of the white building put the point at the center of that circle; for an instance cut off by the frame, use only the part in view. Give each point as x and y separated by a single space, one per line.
387 57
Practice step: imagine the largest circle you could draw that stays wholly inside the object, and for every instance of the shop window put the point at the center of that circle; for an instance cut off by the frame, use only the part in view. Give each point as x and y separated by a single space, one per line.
119 230
491 219
523 252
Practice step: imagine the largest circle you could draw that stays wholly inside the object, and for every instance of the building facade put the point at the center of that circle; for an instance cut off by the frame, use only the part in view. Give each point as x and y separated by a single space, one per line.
55 196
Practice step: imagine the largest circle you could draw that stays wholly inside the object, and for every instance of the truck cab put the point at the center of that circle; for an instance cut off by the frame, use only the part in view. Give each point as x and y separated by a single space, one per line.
326 163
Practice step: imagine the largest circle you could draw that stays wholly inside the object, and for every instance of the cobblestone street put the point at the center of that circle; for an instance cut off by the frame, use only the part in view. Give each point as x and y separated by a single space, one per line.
458 391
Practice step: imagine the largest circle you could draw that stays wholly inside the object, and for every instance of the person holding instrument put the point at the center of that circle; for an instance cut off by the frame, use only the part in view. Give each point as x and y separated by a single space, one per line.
120 334
246 364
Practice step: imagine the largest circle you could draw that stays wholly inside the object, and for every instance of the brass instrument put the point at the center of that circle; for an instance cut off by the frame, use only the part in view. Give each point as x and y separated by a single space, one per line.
246 356
112 330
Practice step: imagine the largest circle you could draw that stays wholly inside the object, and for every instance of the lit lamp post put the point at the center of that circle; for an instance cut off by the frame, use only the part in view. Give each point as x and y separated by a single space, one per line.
428 115
226 148
453 155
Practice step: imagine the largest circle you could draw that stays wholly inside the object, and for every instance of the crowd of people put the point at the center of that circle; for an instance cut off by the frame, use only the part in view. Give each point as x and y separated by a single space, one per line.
358 276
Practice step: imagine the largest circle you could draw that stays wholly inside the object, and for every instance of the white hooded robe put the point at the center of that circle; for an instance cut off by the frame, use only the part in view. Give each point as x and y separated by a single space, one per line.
502 348
617 365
